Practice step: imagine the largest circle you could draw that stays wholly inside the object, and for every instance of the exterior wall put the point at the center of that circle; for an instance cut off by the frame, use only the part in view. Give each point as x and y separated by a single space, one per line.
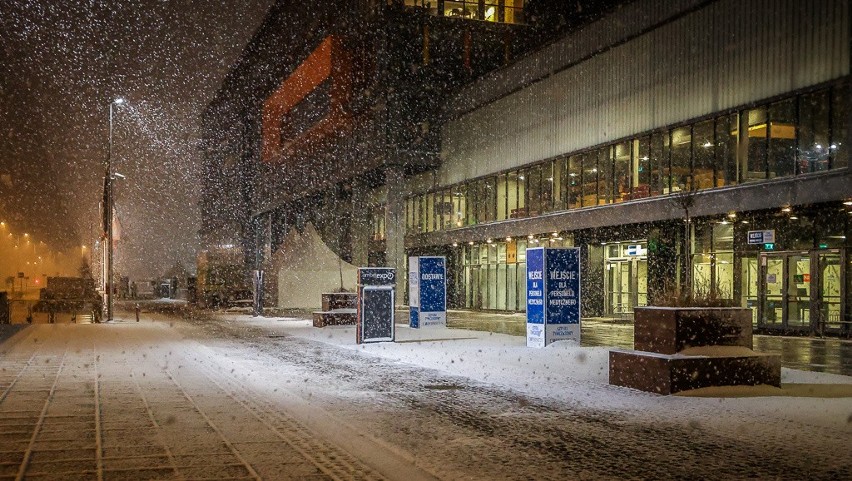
714 57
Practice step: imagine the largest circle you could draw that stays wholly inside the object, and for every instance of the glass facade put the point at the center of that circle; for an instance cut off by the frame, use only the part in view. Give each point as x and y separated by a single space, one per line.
502 11
793 136
495 271
713 260
377 222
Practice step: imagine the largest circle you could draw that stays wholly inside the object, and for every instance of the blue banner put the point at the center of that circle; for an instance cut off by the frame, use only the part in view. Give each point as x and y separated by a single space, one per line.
563 286
553 295
562 270
535 297
427 282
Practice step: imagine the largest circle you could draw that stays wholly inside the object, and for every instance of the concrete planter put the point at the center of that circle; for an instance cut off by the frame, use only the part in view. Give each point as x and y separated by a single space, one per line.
668 330
683 348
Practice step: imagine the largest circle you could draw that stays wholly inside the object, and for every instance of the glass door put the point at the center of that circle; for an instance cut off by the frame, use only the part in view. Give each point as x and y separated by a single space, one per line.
619 274
830 307
798 288
773 281
750 285
625 278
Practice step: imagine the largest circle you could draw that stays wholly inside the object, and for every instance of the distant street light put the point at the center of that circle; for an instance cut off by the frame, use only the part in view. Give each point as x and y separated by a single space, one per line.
109 206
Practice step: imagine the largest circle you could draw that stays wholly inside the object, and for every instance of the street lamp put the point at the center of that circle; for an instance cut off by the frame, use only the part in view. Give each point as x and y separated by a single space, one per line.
109 206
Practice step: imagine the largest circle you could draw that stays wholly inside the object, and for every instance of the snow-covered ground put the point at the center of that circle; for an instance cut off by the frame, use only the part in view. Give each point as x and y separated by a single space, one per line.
235 396
568 373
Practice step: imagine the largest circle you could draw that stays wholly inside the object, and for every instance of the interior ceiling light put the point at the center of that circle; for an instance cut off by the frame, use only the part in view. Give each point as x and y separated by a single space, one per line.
732 215
786 209
848 202
508 239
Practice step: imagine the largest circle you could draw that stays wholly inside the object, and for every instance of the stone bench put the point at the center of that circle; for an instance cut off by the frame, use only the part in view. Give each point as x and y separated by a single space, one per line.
338 309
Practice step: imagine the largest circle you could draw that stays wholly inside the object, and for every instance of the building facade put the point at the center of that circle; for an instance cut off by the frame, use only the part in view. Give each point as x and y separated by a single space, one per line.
682 145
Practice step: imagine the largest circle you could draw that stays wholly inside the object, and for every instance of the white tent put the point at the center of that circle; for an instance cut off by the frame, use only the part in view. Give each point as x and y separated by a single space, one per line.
306 268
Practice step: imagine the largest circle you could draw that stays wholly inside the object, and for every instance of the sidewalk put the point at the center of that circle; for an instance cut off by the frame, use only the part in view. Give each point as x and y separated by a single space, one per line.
830 355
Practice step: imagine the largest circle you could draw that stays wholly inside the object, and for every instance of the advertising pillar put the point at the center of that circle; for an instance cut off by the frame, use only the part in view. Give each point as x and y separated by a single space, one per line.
427 291
375 310
553 295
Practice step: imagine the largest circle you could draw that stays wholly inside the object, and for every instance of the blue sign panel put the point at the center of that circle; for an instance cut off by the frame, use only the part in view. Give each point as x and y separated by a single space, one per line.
562 294
427 281
553 295
535 297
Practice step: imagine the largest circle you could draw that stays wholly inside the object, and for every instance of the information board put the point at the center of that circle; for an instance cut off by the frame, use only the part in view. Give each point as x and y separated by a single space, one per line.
427 291
535 297
376 303
553 295
376 299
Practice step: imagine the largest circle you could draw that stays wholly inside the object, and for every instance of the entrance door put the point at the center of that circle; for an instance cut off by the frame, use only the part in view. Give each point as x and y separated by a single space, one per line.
750 286
801 290
626 285
619 286
831 279
773 281
798 277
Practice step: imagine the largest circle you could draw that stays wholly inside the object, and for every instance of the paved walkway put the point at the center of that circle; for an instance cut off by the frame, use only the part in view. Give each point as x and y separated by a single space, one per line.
136 402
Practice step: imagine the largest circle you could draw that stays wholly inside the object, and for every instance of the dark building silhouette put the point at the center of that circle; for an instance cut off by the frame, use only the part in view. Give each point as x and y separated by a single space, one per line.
476 129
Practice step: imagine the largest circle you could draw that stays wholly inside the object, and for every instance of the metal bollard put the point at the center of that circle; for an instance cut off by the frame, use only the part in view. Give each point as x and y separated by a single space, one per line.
137 312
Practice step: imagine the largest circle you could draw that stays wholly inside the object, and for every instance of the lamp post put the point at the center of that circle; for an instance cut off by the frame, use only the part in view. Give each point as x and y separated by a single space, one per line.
109 206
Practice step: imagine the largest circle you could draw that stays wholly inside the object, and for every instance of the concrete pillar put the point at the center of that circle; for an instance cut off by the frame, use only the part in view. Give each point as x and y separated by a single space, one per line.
395 227
360 226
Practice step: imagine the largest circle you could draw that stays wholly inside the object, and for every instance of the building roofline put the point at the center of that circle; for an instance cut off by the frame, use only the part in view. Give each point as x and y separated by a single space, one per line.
628 22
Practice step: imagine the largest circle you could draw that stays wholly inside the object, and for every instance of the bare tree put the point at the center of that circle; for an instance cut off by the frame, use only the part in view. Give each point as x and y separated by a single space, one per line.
685 200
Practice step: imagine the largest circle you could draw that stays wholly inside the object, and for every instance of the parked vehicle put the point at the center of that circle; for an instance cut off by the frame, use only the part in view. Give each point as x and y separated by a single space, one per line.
221 280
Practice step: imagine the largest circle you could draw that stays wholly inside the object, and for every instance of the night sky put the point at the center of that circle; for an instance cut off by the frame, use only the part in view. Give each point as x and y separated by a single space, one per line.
62 63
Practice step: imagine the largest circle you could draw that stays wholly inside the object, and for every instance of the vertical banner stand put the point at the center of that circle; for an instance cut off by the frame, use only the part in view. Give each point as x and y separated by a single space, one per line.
376 301
553 295
427 291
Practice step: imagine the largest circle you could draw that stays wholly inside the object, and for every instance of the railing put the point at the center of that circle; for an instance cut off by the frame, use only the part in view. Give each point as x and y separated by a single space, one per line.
33 311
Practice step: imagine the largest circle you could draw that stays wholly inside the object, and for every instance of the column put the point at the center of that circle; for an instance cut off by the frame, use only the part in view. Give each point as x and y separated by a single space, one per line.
395 227
360 226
